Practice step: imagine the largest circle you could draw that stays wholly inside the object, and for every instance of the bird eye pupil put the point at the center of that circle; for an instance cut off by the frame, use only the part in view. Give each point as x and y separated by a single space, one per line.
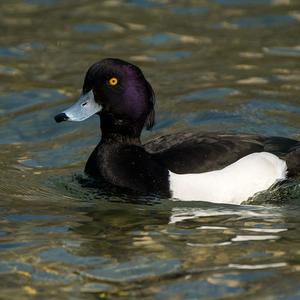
113 81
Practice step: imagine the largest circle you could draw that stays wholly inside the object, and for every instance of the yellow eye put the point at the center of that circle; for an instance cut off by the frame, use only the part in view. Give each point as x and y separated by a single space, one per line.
113 81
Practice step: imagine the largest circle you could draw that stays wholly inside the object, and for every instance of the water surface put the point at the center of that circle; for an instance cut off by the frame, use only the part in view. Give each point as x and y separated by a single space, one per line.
215 65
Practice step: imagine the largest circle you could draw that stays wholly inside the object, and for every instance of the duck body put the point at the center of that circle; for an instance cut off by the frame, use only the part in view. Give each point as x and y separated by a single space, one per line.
213 167
128 165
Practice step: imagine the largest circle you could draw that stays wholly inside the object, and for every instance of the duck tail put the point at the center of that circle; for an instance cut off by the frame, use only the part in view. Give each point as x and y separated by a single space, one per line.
293 161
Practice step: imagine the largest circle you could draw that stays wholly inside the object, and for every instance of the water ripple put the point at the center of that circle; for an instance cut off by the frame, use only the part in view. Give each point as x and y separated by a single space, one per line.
246 238
257 267
211 94
283 51
134 271
97 28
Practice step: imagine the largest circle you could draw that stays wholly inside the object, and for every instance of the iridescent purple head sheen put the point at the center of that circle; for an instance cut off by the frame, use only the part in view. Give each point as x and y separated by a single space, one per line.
135 94
131 99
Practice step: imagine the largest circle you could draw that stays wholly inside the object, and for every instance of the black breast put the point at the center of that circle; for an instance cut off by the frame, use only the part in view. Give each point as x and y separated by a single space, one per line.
128 166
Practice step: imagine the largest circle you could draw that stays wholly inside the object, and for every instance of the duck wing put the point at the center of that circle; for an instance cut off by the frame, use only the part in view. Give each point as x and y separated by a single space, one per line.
189 152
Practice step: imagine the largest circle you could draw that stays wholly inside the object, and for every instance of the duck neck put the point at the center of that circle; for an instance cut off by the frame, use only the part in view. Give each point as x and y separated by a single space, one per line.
117 129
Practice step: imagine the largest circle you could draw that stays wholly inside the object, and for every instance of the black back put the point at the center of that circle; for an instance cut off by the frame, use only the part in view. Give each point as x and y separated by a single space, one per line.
189 152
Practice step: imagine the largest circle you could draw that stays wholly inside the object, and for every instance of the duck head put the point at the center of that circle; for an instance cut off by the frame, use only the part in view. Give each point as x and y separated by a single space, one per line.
118 92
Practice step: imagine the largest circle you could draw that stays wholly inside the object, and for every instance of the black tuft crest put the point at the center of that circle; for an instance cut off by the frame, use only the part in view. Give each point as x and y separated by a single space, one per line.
150 120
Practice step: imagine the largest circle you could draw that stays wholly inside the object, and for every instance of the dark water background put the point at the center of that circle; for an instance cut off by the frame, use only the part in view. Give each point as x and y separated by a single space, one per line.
231 65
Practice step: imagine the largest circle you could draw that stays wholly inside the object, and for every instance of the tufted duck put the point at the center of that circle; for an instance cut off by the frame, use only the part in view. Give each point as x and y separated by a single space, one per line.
186 166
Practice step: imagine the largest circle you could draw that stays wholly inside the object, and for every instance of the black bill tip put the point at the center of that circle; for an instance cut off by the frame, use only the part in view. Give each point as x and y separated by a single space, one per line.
61 117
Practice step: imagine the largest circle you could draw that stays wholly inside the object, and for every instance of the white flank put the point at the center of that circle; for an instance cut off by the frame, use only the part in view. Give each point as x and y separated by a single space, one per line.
234 184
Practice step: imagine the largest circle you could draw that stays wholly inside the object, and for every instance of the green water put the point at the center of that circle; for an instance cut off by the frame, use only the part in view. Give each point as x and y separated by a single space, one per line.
230 65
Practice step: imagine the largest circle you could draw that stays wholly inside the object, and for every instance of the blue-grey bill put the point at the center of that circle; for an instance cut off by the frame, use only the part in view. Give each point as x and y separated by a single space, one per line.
85 107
